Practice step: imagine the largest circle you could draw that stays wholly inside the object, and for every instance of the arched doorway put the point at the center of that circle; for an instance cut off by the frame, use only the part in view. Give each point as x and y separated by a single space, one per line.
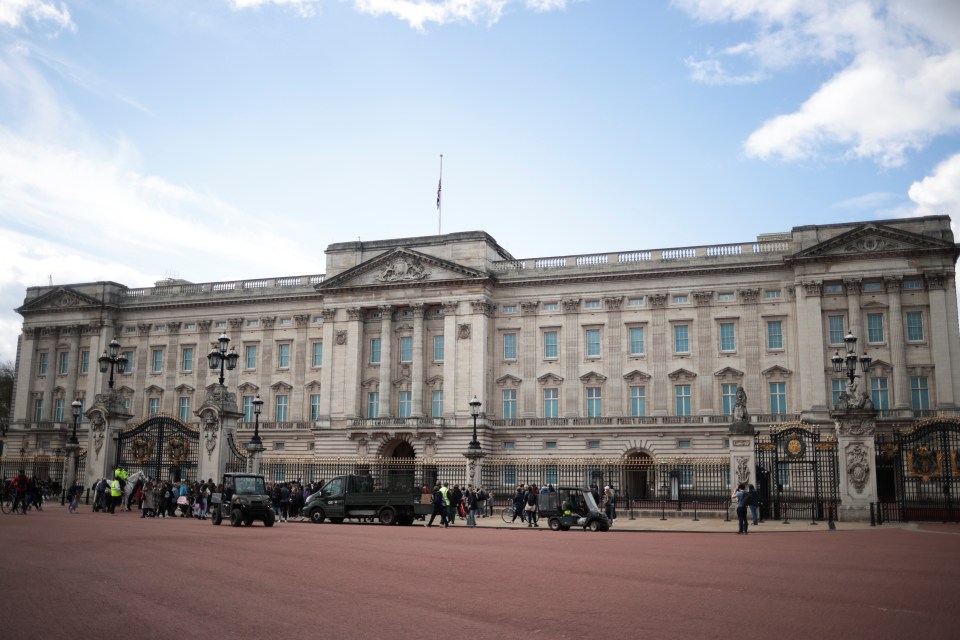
639 476
400 464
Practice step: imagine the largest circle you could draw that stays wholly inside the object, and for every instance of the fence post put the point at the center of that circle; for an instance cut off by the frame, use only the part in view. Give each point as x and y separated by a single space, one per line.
783 507
630 502
727 511
695 504
663 510
813 513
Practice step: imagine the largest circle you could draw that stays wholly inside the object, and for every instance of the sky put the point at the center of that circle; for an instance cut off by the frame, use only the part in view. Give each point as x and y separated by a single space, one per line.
220 140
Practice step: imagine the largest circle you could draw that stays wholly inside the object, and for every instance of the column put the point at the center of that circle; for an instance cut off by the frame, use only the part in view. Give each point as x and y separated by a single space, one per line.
451 340
26 374
810 346
857 457
139 405
73 363
302 354
172 369
660 350
743 459
898 352
51 333
530 357
571 359
386 359
751 350
940 332
614 357
706 352
327 391
853 287
352 343
479 353
416 375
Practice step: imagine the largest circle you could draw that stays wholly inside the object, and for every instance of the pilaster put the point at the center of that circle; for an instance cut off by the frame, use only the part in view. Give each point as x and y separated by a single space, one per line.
857 452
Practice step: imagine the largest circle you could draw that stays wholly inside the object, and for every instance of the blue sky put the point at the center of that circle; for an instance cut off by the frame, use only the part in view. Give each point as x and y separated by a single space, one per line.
230 139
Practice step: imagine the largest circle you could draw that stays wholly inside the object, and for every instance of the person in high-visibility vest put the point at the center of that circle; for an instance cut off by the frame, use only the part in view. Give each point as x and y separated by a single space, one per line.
116 494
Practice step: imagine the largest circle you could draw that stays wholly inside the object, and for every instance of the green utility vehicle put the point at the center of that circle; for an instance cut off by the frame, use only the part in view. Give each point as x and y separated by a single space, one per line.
243 500
395 501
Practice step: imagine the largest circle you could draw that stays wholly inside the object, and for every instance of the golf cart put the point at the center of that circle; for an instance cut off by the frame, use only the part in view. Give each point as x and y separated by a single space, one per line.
572 507
244 499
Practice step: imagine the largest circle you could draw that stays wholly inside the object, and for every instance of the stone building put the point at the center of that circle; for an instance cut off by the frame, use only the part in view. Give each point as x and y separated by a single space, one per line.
630 353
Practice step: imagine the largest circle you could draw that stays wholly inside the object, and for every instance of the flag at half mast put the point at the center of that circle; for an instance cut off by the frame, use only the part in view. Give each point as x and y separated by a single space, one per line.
439 189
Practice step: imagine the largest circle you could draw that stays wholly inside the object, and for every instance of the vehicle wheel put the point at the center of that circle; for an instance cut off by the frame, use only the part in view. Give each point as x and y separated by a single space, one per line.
248 521
336 520
236 518
316 516
595 525
554 524
388 516
216 518
269 519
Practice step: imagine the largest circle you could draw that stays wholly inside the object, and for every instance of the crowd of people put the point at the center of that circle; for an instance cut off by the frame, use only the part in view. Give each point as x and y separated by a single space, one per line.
468 503
30 493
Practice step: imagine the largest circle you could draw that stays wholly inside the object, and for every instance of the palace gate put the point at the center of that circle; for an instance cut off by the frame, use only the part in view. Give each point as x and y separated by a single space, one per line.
162 446
798 473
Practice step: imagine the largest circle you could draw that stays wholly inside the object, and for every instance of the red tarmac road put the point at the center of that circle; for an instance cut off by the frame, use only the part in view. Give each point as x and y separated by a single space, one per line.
95 575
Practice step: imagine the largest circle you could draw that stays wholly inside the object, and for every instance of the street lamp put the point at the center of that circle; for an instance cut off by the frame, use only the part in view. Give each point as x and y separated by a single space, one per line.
475 412
113 360
220 357
848 364
257 405
77 407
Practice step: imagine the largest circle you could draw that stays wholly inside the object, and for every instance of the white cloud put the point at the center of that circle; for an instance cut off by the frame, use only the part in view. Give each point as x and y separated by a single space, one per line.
305 8
899 72
16 13
939 193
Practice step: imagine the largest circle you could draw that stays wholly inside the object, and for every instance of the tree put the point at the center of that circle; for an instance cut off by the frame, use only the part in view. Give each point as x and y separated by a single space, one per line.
6 389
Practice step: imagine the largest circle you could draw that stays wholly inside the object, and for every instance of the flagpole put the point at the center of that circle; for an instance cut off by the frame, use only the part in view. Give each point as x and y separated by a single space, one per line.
439 203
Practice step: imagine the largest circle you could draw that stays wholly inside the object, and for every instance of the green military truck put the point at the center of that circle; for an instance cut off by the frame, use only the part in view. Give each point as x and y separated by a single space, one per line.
395 501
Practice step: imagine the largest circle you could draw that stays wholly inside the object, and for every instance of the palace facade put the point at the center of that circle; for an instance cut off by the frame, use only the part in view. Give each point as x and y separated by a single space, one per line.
612 354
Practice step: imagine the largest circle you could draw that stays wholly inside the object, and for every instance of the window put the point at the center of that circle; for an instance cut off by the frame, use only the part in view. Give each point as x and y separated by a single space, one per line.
280 446
406 349
184 408
373 404
438 348
874 327
726 296
129 368
42 364
63 363
778 397
375 350
593 343
38 410
509 444
728 398
405 405
914 325
835 329
833 289
159 328
591 304
550 345
250 356
728 339
550 444
879 394
156 360
551 306
772 295
681 338
594 402
286 322
58 410
836 388
186 359
638 401
919 393
912 283
593 444
254 322
130 329
219 324
190 326
436 404
84 362
551 403
153 406
682 395
636 341
282 404
283 355
683 444
869 287
317 360
248 408
314 406
509 346
509 308
509 404
775 334
635 302
682 299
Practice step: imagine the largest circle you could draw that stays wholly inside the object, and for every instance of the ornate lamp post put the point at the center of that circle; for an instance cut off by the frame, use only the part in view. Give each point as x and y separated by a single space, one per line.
77 407
474 453
112 361
848 364
220 357
257 406
475 412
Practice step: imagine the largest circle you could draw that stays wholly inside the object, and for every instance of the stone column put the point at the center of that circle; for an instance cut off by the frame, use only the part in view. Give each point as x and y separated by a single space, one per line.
706 352
810 344
940 332
219 415
450 358
660 352
857 453
73 364
139 404
49 382
853 287
571 359
743 457
302 354
531 356
352 343
107 418
26 373
386 359
419 357
479 353
614 356
898 351
330 357
751 349
172 369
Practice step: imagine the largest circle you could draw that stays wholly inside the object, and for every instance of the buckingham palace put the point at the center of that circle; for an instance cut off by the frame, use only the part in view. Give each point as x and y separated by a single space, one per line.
636 353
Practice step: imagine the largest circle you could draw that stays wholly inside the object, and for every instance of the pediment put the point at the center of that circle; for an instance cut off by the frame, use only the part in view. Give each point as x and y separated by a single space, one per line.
399 268
435 381
636 376
125 390
59 299
248 387
370 383
184 388
776 371
549 378
728 373
880 365
592 377
153 389
682 374
281 386
508 381
870 240
312 385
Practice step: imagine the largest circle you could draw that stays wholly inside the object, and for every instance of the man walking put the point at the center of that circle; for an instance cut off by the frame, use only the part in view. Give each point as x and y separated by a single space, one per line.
116 495
439 507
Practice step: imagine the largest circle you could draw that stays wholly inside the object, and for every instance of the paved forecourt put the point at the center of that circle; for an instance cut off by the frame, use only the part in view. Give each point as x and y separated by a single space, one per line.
97 575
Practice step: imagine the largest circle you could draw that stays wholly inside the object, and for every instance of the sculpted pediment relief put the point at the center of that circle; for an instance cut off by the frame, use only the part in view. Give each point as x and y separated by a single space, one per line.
59 298
184 389
871 239
281 386
592 377
508 381
549 378
681 375
248 387
729 373
401 267
636 376
776 371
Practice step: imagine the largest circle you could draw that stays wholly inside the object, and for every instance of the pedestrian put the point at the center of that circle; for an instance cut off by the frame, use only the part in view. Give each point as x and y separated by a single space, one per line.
482 500
741 496
518 506
473 506
74 495
116 495
530 506
753 501
610 504
439 507
284 501
456 496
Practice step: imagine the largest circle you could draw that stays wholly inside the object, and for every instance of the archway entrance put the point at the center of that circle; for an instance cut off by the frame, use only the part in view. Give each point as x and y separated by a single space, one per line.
400 464
639 476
